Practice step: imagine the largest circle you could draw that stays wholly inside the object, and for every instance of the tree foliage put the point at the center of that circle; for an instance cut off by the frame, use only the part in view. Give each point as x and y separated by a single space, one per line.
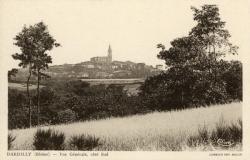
197 74
64 103
210 30
34 43
12 73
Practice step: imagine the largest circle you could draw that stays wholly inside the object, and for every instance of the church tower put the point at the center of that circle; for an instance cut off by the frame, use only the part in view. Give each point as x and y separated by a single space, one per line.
110 54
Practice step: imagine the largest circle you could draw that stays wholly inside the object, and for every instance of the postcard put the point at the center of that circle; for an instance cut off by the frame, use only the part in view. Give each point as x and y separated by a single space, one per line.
105 79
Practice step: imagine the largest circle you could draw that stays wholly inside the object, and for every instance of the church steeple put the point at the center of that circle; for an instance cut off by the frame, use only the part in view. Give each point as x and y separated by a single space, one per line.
110 53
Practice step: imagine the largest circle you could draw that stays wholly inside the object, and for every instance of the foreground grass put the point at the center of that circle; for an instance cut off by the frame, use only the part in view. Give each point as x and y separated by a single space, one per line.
159 131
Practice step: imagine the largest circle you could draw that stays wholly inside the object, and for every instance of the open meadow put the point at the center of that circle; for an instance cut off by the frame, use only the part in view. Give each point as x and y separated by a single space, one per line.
113 81
157 131
130 85
22 86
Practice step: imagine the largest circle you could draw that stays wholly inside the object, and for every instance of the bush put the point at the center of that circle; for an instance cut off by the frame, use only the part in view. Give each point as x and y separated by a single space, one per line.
66 116
47 96
48 140
11 138
78 87
233 78
183 87
83 142
17 109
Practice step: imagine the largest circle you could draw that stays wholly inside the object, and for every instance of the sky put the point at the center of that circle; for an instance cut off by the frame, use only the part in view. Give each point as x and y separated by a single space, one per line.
85 28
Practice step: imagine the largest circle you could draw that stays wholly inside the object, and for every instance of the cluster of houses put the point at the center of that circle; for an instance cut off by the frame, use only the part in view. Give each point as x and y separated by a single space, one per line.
116 69
103 67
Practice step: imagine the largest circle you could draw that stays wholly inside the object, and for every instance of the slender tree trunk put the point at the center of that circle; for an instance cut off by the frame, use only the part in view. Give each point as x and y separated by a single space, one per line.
28 95
209 61
182 81
38 97
182 97
214 59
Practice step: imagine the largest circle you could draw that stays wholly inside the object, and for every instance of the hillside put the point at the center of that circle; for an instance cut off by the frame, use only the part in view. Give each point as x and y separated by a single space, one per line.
88 70
154 131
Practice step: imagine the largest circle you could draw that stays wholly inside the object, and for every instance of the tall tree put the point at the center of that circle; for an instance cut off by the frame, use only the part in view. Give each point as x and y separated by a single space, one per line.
35 41
195 74
24 40
43 42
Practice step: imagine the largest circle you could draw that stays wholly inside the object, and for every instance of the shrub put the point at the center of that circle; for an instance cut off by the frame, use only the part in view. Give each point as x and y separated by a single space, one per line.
17 109
181 87
66 116
233 78
47 96
77 86
11 138
83 142
48 140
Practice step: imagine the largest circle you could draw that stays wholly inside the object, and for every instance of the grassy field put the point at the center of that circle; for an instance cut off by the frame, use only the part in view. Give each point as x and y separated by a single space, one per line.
22 86
130 85
155 131
113 81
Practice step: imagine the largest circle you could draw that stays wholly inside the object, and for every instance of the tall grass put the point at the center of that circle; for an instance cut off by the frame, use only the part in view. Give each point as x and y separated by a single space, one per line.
227 135
202 138
158 131
11 138
222 136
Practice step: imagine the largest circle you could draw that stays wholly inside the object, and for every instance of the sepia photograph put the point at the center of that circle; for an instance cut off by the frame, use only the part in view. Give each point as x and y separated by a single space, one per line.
104 75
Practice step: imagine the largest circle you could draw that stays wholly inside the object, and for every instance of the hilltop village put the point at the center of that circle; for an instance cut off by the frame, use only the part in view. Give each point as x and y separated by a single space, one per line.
104 67
100 67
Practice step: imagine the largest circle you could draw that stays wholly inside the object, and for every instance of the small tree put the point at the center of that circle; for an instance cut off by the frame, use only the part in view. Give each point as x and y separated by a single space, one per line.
11 73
